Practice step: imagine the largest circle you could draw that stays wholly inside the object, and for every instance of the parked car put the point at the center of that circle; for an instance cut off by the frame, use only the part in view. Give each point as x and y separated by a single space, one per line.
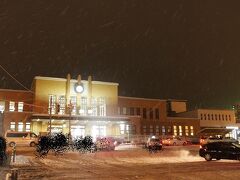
174 141
205 140
21 138
154 144
220 150
105 143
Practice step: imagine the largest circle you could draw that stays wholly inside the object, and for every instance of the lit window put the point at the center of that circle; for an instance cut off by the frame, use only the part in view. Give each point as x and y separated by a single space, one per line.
163 130
73 101
180 130
2 106
28 126
102 106
20 126
11 106
175 130
20 106
13 126
83 109
51 104
94 107
191 130
62 104
186 131
122 128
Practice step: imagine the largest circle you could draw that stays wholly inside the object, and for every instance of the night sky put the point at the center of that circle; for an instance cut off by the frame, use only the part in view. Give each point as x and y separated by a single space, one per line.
179 49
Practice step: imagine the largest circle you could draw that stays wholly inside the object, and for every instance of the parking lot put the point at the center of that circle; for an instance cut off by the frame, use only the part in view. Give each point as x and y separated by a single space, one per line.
126 162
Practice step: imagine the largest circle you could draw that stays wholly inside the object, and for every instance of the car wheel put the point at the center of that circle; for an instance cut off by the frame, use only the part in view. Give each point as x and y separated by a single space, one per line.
208 157
12 144
32 144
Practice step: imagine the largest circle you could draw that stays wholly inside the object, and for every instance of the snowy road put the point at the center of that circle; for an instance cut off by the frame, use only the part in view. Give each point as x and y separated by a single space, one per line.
172 163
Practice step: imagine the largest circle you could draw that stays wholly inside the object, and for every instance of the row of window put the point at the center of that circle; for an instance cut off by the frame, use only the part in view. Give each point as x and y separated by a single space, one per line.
96 106
215 117
13 105
166 130
20 126
150 113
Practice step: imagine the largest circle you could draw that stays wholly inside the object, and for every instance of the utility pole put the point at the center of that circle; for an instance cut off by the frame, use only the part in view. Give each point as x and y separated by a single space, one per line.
50 116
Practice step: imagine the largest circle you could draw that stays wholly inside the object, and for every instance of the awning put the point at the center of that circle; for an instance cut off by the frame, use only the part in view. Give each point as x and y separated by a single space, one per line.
214 131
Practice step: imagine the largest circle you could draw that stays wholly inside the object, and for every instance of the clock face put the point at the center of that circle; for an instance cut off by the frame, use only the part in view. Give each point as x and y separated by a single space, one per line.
79 88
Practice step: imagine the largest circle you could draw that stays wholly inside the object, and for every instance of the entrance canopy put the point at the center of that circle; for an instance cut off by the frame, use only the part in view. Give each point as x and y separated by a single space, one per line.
214 131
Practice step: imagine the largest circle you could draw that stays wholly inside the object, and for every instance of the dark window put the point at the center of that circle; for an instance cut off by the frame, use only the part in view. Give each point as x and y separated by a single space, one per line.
216 117
17 134
144 113
201 116
131 111
151 113
212 116
219 117
208 116
226 118
138 111
229 118
205 117
157 113
222 117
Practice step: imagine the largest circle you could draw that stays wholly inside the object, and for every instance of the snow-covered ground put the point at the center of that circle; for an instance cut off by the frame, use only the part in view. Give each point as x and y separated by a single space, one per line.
126 162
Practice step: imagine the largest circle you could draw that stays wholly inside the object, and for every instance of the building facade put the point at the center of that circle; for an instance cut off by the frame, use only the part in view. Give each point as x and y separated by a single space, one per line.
86 107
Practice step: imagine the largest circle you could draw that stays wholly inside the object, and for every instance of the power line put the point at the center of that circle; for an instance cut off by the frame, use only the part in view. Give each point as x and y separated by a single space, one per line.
15 79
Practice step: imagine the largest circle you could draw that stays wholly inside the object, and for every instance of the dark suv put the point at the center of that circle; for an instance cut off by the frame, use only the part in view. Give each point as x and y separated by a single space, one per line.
220 150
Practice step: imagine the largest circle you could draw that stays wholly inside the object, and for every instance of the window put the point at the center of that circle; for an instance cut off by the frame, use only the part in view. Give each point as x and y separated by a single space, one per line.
102 106
119 110
62 104
124 111
51 104
169 129
219 117
212 116
208 116
73 101
144 129
229 117
20 106
186 131
20 127
163 130
157 130
28 126
144 113
157 113
83 106
131 111
216 117
201 117
151 113
226 118
191 130
180 130
13 126
175 130
2 106
94 107
138 111
151 129
205 117
222 117
11 106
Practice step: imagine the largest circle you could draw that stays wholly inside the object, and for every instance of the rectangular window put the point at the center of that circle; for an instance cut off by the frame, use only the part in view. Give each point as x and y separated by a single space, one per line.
151 129
226 118
144 113
212 116
216 117
2 106
51 104
102 106
180 130
73 101
28 126
205 117
122 128
222 117
151 113
157 113
11 106
20 127
219 117
119 110
94 107
175 130
124 111
62 104
20 106
13 126
163 130
186 131
144 129
83 106
169 129
157 130
191 130
131 111
201 117
138 111
229 117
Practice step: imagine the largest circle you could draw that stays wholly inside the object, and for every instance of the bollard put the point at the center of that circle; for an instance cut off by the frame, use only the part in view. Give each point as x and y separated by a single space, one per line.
14 174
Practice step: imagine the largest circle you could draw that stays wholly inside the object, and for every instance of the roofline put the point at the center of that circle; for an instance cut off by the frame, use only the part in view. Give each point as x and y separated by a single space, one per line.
177 100
73 80
138 98
214 109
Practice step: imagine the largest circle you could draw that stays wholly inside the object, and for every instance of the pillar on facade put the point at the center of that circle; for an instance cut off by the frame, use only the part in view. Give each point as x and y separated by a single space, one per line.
79 79
68 84
89 90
